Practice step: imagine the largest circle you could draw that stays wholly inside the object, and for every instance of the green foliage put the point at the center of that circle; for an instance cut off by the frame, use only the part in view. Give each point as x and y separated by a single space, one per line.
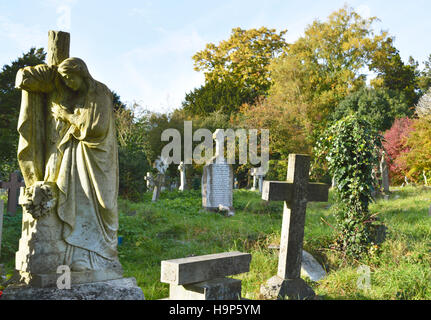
418 157
243 59
217 96
393 73
324 66
132 157
10 99
380 107
350 149
277 170
176 227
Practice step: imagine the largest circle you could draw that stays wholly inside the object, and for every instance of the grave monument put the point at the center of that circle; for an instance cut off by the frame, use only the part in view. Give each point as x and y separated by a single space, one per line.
295 192
68 156
217 178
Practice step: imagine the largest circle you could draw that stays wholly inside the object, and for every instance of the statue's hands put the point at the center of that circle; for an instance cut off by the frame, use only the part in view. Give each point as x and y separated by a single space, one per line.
60 114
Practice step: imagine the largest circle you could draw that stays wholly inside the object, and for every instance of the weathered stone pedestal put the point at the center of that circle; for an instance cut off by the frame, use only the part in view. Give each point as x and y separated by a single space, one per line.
276 288
121 289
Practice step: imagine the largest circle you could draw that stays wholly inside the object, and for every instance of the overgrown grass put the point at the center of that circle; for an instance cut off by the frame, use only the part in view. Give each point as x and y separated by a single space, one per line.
176 226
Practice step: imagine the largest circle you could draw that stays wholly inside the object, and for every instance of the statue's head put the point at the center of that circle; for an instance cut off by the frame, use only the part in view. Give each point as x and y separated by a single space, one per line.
75 73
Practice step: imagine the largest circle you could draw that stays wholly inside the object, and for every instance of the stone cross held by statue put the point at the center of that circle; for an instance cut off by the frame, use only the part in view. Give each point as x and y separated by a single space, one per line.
13 185
295 192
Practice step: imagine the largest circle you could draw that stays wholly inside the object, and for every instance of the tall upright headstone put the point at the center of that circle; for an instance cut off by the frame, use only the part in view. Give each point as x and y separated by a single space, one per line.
12 186
183 182
217 178
295 192
253 174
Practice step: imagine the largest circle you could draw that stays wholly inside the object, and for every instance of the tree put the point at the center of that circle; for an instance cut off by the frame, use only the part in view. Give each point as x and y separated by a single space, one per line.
118 104
395 146
424 78
325 65
423 108
9 109
380 107
350 147
132 158
418 142
243 58
392 73
217 96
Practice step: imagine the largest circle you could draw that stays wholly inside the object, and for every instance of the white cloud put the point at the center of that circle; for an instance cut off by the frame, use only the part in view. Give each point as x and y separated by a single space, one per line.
364 11
24 36
159 75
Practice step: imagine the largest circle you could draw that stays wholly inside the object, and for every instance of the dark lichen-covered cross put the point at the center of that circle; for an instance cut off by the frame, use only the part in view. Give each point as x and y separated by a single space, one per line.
295 192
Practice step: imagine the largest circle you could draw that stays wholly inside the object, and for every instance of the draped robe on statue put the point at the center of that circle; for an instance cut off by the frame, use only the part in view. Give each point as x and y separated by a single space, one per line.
79 159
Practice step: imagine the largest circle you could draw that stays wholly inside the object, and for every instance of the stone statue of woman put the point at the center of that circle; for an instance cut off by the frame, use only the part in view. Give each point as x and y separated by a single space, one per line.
68 156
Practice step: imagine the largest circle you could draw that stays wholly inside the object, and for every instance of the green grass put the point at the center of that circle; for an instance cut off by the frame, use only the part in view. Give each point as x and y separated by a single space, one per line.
176 227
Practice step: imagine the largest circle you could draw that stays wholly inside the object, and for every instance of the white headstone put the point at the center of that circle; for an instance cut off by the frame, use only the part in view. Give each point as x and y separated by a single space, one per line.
217 179
150 181
182 169
258 175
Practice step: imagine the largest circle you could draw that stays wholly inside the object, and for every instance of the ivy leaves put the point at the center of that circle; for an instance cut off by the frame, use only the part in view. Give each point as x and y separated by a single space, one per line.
350 148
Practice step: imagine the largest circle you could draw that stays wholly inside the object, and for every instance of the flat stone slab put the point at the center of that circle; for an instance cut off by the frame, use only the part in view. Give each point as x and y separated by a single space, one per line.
202 268
121 289
311 268
216 289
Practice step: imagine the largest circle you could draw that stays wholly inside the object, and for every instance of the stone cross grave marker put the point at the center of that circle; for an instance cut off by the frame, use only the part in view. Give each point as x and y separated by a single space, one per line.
295 192
1 224
13 185
182 169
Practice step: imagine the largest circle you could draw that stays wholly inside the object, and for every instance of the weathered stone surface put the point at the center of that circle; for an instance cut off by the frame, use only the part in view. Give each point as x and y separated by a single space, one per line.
295 193
122 289
294 289
216 289
70 213
311 268
217 178
50 280
217 186
282 191
202 268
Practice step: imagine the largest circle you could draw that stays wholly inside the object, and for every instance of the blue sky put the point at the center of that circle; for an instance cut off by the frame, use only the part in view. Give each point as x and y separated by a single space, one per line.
143 49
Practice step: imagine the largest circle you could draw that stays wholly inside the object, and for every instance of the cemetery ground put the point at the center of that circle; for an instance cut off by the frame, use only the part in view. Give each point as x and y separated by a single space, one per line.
176 226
